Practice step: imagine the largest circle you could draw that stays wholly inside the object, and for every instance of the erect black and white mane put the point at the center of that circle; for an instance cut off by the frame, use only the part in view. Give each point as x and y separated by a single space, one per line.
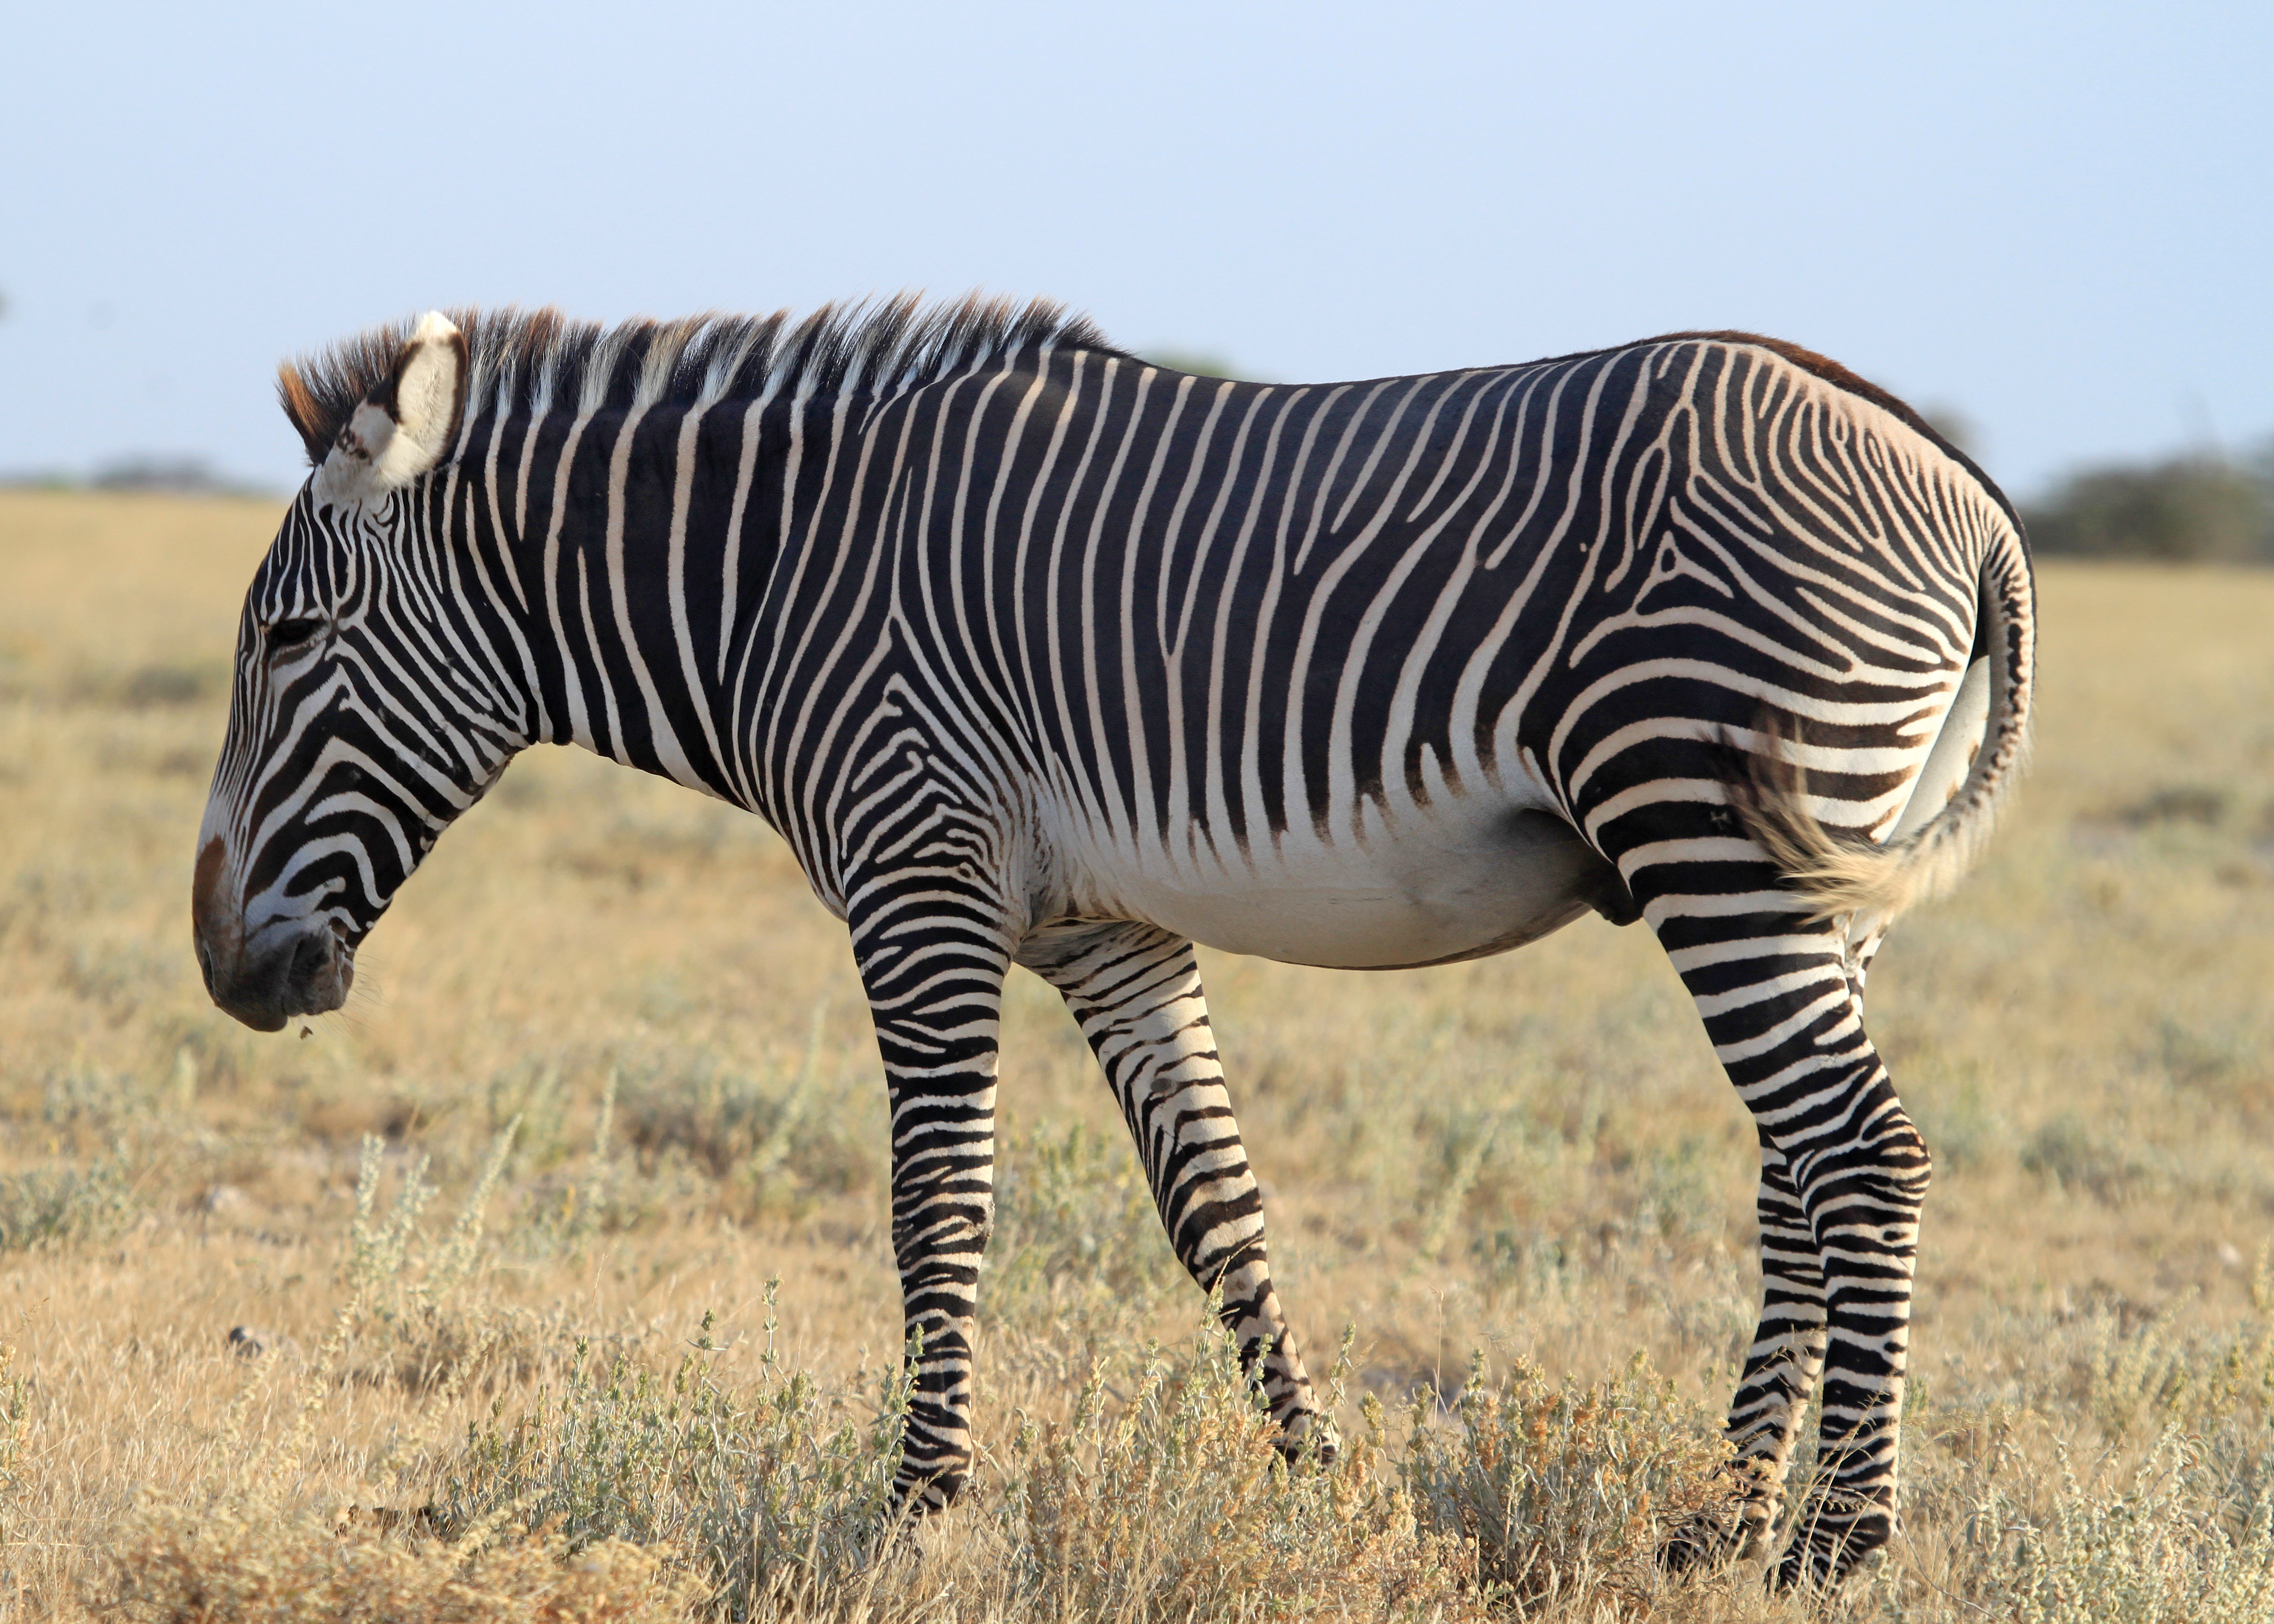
526 359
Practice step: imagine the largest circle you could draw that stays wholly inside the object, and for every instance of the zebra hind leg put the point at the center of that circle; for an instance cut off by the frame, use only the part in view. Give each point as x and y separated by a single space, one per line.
1860 1169
1780 1377
1135 991
933 971
1846 1179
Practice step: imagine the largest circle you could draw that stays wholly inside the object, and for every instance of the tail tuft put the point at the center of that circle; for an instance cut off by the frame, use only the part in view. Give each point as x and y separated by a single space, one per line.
1840 873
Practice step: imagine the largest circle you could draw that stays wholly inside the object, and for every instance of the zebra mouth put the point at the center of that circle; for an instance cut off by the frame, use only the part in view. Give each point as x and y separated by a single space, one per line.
307 973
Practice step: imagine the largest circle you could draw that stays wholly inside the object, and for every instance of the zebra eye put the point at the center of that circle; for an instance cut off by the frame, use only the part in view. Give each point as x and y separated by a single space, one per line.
291 633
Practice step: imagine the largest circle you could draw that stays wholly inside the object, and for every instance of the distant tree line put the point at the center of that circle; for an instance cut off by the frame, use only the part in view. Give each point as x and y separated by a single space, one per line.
164 475
2201 508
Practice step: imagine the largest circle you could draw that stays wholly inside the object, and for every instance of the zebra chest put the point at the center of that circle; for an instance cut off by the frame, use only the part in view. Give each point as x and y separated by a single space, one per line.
1434 891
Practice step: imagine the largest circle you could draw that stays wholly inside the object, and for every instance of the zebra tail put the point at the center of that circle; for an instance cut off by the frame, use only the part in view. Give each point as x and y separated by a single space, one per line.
1843 873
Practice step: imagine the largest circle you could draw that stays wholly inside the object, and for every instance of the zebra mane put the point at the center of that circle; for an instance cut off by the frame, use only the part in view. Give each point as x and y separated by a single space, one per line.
534 359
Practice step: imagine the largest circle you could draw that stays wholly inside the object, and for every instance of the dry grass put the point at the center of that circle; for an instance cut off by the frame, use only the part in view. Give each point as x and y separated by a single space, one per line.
1531 1160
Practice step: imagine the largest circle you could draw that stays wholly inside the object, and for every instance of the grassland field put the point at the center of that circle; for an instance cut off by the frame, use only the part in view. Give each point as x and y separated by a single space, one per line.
633 1358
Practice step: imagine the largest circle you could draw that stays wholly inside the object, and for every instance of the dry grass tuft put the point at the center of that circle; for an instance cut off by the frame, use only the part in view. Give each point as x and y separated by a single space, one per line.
1564 1491
1174 1504
243 1567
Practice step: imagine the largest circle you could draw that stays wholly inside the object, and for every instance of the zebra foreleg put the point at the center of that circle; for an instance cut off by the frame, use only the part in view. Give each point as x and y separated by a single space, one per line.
1135 991
933 971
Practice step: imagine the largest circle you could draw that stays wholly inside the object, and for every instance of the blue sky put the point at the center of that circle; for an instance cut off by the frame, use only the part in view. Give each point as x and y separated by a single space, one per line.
2057 220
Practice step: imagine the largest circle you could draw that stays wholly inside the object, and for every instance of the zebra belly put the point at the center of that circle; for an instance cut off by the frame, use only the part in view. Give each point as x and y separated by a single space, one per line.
1432 895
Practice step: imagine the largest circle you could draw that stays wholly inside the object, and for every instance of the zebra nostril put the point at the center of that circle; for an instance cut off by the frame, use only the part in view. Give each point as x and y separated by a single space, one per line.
312 955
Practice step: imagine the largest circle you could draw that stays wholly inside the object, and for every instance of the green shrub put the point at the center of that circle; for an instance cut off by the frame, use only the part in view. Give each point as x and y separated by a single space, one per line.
1075 1230
59 1206
415 1315
2154 1545
2079 1157
773 1139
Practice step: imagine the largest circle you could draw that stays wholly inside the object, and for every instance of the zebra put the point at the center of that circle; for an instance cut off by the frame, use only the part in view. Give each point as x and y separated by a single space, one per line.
1036 653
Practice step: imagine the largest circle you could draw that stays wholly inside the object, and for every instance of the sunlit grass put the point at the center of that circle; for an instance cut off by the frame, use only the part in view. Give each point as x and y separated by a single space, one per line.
1512 1178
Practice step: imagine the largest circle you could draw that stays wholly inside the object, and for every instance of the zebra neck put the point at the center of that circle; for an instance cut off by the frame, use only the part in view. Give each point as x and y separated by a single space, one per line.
629 555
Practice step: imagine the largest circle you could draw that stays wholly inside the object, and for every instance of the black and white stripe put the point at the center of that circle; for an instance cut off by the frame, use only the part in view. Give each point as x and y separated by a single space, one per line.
1036 653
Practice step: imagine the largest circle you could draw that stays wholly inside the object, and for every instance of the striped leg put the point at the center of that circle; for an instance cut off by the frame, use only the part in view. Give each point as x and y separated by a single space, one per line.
1843 1174
1136 992
1780 1377
933 964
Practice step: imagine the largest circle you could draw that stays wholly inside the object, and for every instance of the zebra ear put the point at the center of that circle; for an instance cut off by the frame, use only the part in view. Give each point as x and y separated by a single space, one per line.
408 424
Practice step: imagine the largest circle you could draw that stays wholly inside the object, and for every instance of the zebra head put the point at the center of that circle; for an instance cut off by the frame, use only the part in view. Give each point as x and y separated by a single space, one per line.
359 726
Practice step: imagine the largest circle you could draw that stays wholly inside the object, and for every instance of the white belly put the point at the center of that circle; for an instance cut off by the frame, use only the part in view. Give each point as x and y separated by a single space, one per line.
1458 886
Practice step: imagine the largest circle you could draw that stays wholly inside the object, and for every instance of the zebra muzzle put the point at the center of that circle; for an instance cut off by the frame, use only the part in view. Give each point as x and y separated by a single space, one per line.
289 970
307 973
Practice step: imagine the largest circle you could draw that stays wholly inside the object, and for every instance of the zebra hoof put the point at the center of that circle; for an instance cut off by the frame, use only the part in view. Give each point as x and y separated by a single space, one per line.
1698 1547
1822 1555
1737 1526
898 1538
1714 1539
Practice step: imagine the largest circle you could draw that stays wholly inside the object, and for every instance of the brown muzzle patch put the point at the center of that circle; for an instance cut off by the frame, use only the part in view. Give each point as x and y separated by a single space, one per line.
214 923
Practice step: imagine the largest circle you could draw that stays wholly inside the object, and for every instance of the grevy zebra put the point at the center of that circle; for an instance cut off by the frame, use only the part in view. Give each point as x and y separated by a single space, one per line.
1038 654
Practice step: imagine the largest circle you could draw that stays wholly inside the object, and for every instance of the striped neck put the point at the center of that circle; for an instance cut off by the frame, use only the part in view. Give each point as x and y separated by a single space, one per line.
618 503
